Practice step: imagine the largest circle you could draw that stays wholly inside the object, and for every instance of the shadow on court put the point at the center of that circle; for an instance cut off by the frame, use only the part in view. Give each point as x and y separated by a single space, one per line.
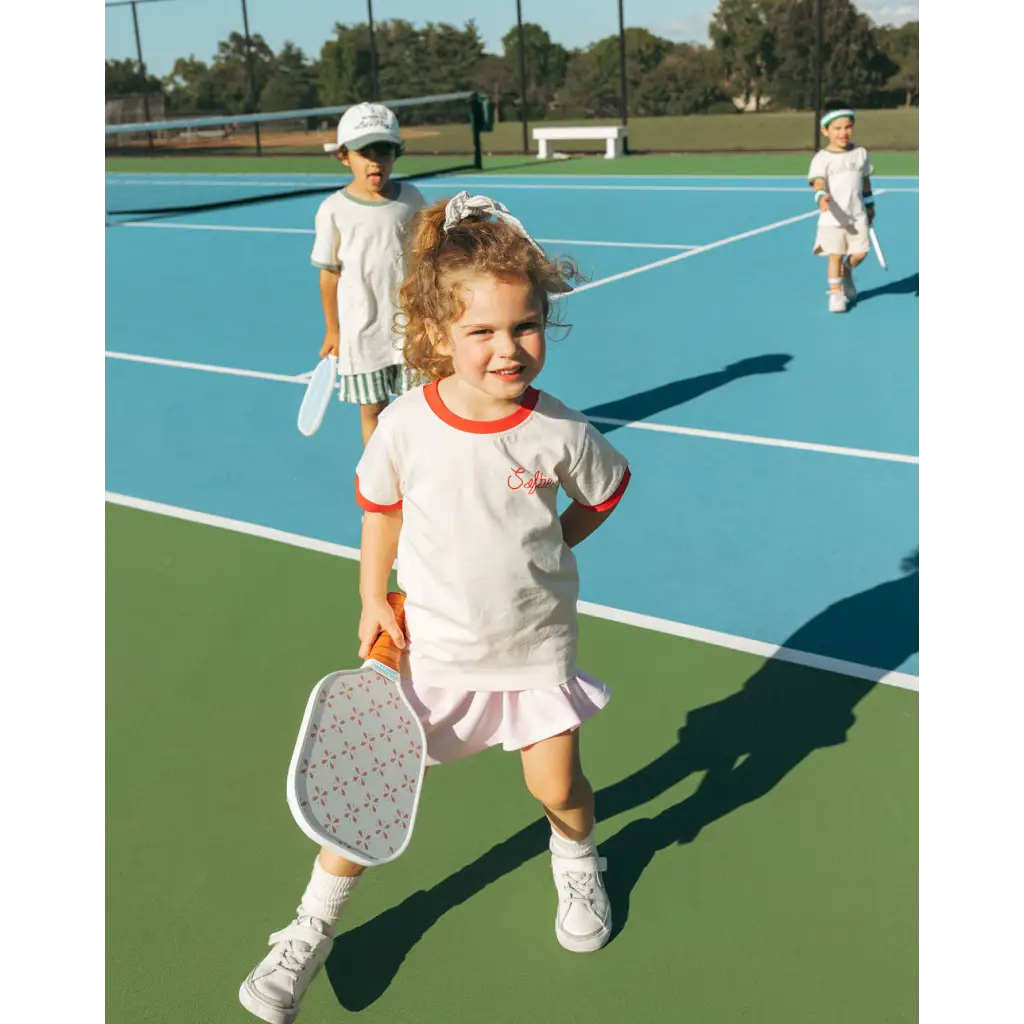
612 415
744 744
904 286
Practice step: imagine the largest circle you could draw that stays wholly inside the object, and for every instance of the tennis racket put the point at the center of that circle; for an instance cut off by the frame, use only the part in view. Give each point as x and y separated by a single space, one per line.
877 246
357 770
318 395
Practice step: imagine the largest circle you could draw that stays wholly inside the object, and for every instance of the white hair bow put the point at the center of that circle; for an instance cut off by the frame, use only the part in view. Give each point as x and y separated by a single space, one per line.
466 205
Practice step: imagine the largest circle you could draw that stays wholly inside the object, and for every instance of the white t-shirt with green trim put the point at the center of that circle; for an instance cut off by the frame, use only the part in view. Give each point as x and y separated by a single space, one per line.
844 175
491 586
365 242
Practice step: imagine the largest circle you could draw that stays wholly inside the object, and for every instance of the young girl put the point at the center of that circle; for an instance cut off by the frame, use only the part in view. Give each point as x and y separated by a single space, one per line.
460 480
360 236
840 175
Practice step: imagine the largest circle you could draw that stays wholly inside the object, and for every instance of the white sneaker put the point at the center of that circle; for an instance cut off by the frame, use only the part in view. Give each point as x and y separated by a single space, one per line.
583 921
836 302
276 986
849 288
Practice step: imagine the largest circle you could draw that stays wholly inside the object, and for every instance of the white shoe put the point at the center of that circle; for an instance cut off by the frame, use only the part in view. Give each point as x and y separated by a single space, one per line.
849 288
836 302
276 986
583 922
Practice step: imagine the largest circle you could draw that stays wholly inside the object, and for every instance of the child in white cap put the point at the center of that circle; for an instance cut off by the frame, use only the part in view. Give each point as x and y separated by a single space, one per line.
359 250
840 175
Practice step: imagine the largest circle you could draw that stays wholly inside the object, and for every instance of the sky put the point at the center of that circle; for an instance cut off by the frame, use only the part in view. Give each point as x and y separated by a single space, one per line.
182 28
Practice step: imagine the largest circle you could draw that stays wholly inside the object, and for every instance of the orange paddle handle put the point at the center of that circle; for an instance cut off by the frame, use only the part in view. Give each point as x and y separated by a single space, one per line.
384 649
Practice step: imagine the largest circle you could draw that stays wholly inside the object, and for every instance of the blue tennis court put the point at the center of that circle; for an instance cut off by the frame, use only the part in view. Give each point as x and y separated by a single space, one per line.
773 446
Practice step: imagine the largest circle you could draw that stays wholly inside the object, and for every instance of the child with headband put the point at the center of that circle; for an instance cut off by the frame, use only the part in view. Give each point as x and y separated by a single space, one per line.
460 481
840 175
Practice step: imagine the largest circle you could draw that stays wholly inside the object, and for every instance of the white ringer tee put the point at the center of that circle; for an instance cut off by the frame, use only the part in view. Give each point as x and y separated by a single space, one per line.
491 586
365 242
844 175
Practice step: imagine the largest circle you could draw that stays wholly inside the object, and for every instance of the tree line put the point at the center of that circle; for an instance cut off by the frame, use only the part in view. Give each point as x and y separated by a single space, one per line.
761 54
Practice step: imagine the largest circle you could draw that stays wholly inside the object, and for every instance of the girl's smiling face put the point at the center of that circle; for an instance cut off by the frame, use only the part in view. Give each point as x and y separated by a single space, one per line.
497 346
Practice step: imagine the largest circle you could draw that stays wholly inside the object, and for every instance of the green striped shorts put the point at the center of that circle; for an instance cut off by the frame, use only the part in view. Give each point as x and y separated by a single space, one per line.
376 386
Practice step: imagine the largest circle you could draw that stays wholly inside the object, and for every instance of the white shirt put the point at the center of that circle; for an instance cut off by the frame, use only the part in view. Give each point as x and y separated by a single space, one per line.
366 243
844 175
491 586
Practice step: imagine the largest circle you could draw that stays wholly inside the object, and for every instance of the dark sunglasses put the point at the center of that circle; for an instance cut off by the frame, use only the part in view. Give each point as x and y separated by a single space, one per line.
379 150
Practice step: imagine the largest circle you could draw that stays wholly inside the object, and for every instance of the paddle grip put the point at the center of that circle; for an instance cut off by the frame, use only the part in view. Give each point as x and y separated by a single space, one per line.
384 649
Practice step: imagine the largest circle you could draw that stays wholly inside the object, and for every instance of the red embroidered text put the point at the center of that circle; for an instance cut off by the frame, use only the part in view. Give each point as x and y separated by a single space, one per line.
519 478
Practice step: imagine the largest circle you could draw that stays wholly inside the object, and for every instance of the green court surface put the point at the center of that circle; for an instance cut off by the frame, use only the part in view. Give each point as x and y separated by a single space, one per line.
740 164
759 820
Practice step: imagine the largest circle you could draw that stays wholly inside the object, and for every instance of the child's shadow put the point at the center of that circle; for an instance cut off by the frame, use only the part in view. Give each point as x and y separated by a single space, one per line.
612 415
904 286
783 714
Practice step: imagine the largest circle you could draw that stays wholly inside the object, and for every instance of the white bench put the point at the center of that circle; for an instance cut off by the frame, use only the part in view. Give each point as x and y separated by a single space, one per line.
613 134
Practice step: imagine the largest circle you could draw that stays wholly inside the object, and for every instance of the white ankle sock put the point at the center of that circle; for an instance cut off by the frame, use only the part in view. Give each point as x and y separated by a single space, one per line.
326 895
562 847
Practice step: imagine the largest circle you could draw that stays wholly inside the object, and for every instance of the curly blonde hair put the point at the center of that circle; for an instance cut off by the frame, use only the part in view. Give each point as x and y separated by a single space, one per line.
431 299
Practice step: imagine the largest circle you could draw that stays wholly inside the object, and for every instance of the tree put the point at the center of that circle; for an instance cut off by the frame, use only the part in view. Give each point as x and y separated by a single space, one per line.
125 78
900 45
230 72
292 84
744 33
346 69
853 68
546 65
592 81
686 81
412 62
189 88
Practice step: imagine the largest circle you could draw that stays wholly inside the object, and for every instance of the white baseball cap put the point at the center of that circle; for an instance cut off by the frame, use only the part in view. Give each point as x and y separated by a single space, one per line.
363 124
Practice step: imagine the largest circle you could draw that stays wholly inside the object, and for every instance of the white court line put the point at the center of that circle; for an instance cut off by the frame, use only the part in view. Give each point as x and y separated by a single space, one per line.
663 428
694 252
615 245
772 442
459 175
209 227
903 680
448 183
636 188
310 231
685 254
229 371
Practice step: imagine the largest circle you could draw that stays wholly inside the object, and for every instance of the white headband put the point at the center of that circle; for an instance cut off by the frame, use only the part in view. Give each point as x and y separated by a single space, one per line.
465 205
828 118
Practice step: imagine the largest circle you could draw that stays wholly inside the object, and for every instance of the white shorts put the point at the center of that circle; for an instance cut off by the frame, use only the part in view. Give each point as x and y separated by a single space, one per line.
458 723
837 241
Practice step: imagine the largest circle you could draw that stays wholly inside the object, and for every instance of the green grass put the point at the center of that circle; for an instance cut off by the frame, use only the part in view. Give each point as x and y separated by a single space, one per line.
780 886
724 133
897 131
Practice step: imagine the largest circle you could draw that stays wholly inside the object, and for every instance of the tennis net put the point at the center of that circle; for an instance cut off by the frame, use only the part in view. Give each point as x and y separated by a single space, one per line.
203 154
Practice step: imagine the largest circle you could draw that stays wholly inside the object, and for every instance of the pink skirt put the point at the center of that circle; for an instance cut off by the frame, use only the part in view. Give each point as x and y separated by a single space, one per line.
458 723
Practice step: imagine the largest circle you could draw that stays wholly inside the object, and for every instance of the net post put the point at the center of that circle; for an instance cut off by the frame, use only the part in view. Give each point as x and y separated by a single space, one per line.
252 74
477 119
818 19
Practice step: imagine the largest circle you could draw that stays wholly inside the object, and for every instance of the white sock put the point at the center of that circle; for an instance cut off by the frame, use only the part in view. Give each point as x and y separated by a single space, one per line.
326 895
835 283
562 847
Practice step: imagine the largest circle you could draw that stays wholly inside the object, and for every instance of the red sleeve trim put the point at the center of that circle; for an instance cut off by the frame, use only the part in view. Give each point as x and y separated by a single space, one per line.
610 503
368 506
